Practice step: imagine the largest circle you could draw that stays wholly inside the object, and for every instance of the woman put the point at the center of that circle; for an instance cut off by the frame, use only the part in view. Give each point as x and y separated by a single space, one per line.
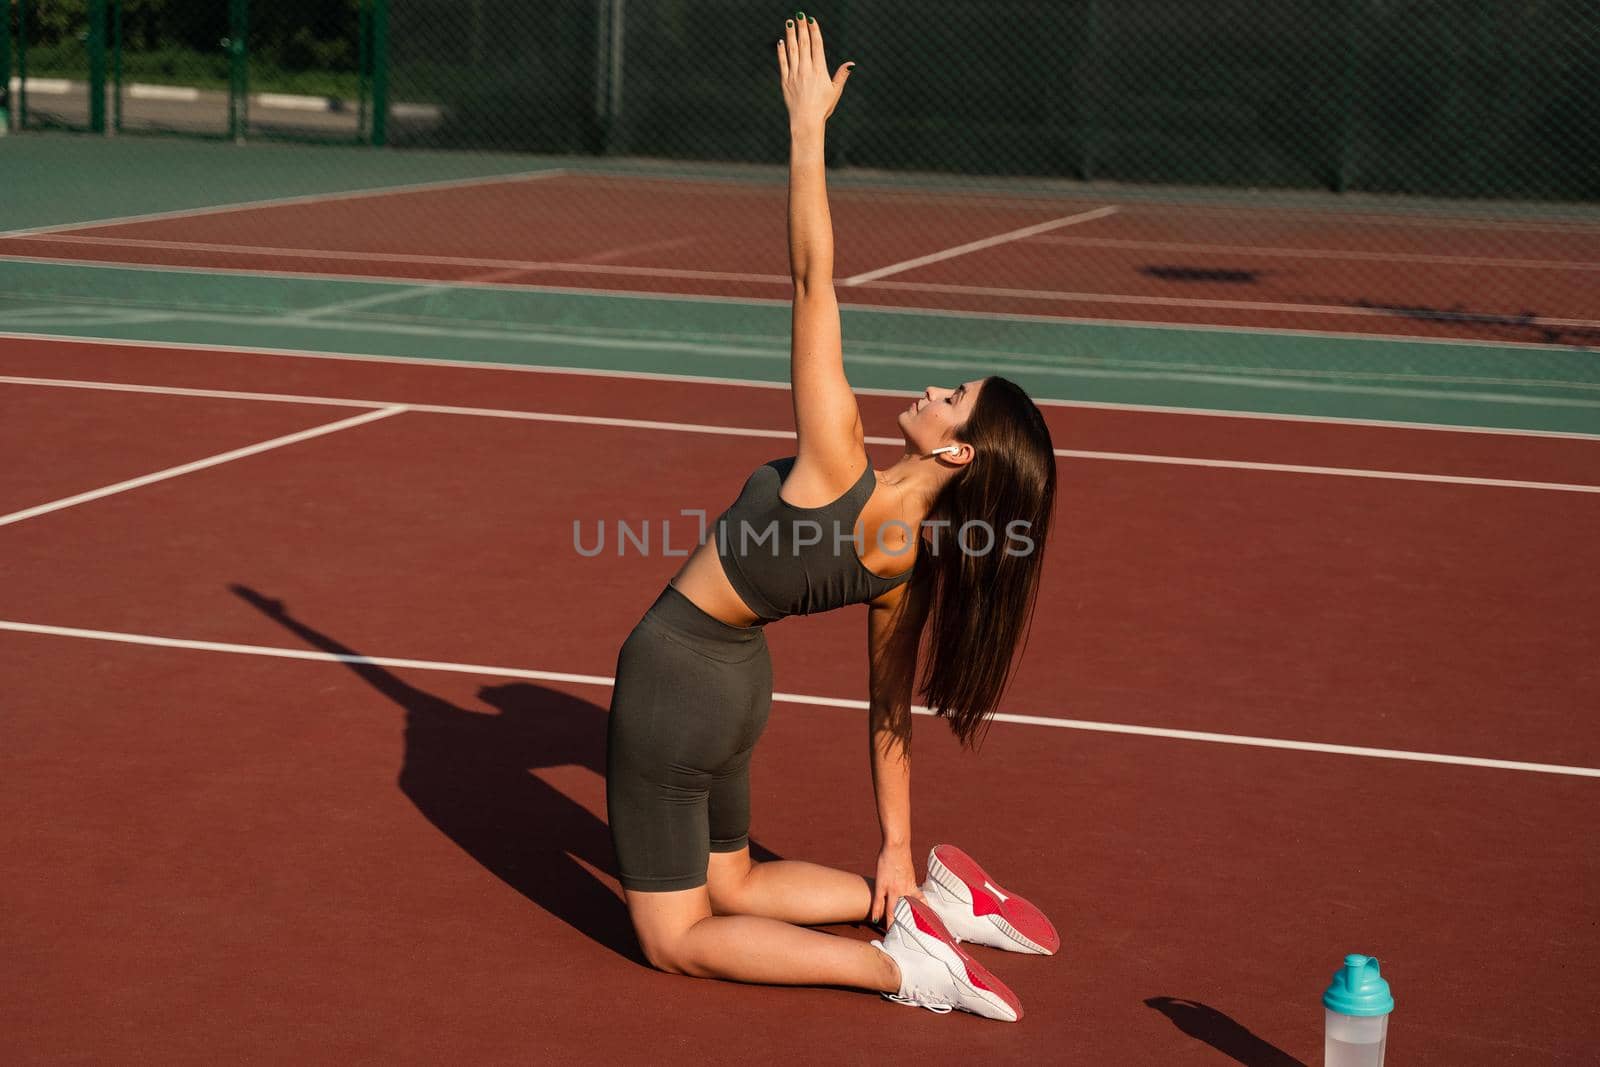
694 680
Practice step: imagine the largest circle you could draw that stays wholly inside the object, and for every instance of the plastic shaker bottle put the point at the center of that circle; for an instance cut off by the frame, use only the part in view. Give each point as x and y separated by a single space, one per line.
1356 1019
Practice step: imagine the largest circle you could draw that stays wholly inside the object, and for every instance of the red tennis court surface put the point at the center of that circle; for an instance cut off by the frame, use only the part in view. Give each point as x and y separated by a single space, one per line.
218 855
1248 266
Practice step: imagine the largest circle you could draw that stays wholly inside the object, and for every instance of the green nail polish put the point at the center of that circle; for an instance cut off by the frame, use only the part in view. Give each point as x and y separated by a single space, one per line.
801 15
790 24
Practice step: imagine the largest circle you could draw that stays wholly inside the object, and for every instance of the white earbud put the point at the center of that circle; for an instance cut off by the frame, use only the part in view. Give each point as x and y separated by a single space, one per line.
946 448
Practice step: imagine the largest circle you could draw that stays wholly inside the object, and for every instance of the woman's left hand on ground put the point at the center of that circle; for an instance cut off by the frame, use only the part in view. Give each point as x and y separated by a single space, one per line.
808 92
897 877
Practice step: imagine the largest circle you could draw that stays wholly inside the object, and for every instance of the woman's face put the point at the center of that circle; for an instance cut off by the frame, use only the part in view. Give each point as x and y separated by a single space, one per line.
933 416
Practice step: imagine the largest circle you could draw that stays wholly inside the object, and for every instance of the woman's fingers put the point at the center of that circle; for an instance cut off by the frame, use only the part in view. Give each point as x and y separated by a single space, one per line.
803 37
783 60
791 44
818 60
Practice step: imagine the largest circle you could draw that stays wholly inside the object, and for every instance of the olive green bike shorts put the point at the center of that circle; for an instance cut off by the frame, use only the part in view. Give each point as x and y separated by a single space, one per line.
691 698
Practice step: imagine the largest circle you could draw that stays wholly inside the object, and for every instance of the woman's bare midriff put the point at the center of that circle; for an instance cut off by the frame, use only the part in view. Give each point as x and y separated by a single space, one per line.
704 582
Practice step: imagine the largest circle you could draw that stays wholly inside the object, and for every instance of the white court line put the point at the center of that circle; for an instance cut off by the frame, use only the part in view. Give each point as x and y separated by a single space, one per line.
742 383
795 698
749 301
1317 253
283 201
979 245
199 464
738 431
1229 305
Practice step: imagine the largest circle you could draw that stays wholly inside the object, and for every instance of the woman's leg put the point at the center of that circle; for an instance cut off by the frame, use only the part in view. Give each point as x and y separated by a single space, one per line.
789 890
679 933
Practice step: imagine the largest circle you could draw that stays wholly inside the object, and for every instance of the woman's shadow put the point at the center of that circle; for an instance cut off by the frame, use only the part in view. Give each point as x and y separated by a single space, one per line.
468 773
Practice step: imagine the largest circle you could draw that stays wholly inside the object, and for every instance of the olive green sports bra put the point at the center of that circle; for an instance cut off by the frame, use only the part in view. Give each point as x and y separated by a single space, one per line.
787 560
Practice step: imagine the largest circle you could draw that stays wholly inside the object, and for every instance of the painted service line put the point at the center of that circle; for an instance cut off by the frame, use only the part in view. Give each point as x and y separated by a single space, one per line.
707 379
795 698
981 244
200 464
283 201
740 431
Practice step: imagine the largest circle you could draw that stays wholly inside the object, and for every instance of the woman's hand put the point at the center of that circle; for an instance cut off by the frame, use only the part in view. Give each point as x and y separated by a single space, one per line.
808 92
897 877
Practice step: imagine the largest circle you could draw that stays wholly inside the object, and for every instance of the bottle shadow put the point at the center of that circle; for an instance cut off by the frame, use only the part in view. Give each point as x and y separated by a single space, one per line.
469 774
1205 1023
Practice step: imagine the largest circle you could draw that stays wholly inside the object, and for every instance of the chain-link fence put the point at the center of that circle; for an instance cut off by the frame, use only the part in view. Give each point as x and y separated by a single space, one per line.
500 74
210 68
1499 98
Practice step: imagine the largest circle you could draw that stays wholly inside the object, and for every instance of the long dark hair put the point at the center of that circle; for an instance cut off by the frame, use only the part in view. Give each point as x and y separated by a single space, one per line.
981 605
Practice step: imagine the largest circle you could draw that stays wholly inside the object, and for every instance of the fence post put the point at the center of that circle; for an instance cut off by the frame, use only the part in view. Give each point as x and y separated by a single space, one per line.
116 66
5 66
619 22
380 72
602 87
363 65
237 43
21 64
97 66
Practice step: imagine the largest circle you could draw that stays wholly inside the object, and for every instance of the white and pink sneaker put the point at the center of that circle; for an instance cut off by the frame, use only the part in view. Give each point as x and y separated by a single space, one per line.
975 908
935 973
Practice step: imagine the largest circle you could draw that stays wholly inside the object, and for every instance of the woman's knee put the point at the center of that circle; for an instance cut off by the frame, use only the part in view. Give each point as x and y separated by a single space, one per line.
662 921
671 955
661 954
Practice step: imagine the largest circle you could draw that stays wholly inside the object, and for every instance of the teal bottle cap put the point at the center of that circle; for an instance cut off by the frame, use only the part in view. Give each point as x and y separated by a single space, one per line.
1358 989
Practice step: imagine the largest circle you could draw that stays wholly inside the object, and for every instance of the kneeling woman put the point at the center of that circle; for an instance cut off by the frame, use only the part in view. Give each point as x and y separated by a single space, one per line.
811 533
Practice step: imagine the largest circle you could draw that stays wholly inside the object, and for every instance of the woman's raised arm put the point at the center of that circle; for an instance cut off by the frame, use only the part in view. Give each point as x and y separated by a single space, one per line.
827 419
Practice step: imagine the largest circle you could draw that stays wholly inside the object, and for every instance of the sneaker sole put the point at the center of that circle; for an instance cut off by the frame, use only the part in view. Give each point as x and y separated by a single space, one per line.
979 978
1022 924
